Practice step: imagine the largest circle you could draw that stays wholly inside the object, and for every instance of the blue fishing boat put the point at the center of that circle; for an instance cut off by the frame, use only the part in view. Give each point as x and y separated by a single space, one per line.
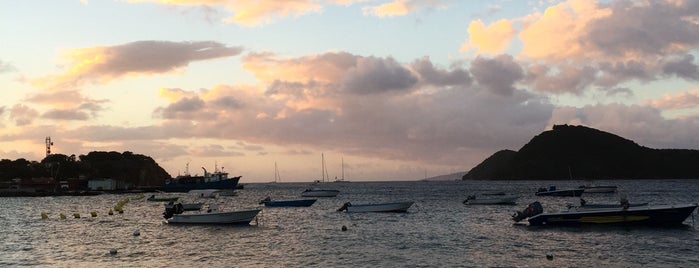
217 180
268 202
659 215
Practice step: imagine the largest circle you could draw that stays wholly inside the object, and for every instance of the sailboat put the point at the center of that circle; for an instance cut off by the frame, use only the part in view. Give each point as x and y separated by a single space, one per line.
342 179
321 192
277 178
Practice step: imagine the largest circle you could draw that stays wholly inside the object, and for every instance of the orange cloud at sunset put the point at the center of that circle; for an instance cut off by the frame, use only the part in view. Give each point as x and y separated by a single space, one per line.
395 8
492 39
556 34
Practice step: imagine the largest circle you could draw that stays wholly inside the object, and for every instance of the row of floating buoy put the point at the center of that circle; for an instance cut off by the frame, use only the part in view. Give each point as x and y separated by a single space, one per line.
118 208
75 215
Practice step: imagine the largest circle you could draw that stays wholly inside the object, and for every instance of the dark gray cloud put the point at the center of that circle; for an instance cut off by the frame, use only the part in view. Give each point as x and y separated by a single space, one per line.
614 73
160 56
23 115
651 28
377 75
439 77
66 114
183 108
228 102
566 79
498 74
684 68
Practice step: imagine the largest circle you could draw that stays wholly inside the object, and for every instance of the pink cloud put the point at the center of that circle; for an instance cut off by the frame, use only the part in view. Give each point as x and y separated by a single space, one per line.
105 63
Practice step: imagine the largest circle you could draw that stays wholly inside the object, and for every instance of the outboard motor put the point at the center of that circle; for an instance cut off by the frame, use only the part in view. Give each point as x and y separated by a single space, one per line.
172 210
532 210
470 197
344 206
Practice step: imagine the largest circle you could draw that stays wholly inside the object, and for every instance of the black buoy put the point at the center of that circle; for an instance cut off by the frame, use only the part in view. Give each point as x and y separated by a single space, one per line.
549 257
344 228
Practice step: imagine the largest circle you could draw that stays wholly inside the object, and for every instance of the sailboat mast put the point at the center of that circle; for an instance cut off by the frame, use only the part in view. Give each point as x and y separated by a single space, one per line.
343 169
322 169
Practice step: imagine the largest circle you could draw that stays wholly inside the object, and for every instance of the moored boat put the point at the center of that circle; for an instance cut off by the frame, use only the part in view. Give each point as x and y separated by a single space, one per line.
268 202
320 193
658 215
588 206
378 207
211 216
211 180
552 191
491 200
599 189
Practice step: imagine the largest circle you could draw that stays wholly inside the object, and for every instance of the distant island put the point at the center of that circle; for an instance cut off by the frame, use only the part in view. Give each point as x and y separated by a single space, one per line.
58 173
583 153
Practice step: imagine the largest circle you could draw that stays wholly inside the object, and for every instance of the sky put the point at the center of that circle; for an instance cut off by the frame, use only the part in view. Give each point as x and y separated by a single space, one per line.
381 90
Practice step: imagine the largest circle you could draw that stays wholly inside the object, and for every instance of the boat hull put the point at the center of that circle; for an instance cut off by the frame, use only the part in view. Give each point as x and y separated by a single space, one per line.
654 215
510 200
385 207
185 186
162 199
599 189
290 203
606 206
320 193
233 217
574 193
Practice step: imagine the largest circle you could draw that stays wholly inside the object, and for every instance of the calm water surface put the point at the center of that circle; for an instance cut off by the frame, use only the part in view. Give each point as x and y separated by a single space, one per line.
438 231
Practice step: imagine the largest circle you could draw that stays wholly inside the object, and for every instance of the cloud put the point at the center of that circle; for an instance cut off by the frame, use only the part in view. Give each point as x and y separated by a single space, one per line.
253 13
430 75
182 108
576 44
497 74
105 63
680 100
395 8
260 12
429 109
376 75
643 124
492 39
684 67
67 105
22 114
402 7
6 67
61 98
566 78
66 114
647 28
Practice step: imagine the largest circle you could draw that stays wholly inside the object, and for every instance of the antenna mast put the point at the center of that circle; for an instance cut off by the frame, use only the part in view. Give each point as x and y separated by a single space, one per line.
48 145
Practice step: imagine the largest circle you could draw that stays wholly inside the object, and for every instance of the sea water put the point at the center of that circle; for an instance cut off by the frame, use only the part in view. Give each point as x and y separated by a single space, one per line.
438 231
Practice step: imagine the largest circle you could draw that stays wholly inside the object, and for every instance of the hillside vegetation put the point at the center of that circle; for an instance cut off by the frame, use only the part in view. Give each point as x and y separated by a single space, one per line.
578 152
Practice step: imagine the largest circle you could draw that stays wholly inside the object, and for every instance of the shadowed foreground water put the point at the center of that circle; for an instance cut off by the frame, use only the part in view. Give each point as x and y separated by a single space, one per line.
438 231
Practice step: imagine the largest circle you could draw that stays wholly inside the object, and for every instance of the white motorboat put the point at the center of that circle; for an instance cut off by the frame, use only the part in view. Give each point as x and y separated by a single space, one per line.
491 200
599 189
211 216
378 207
